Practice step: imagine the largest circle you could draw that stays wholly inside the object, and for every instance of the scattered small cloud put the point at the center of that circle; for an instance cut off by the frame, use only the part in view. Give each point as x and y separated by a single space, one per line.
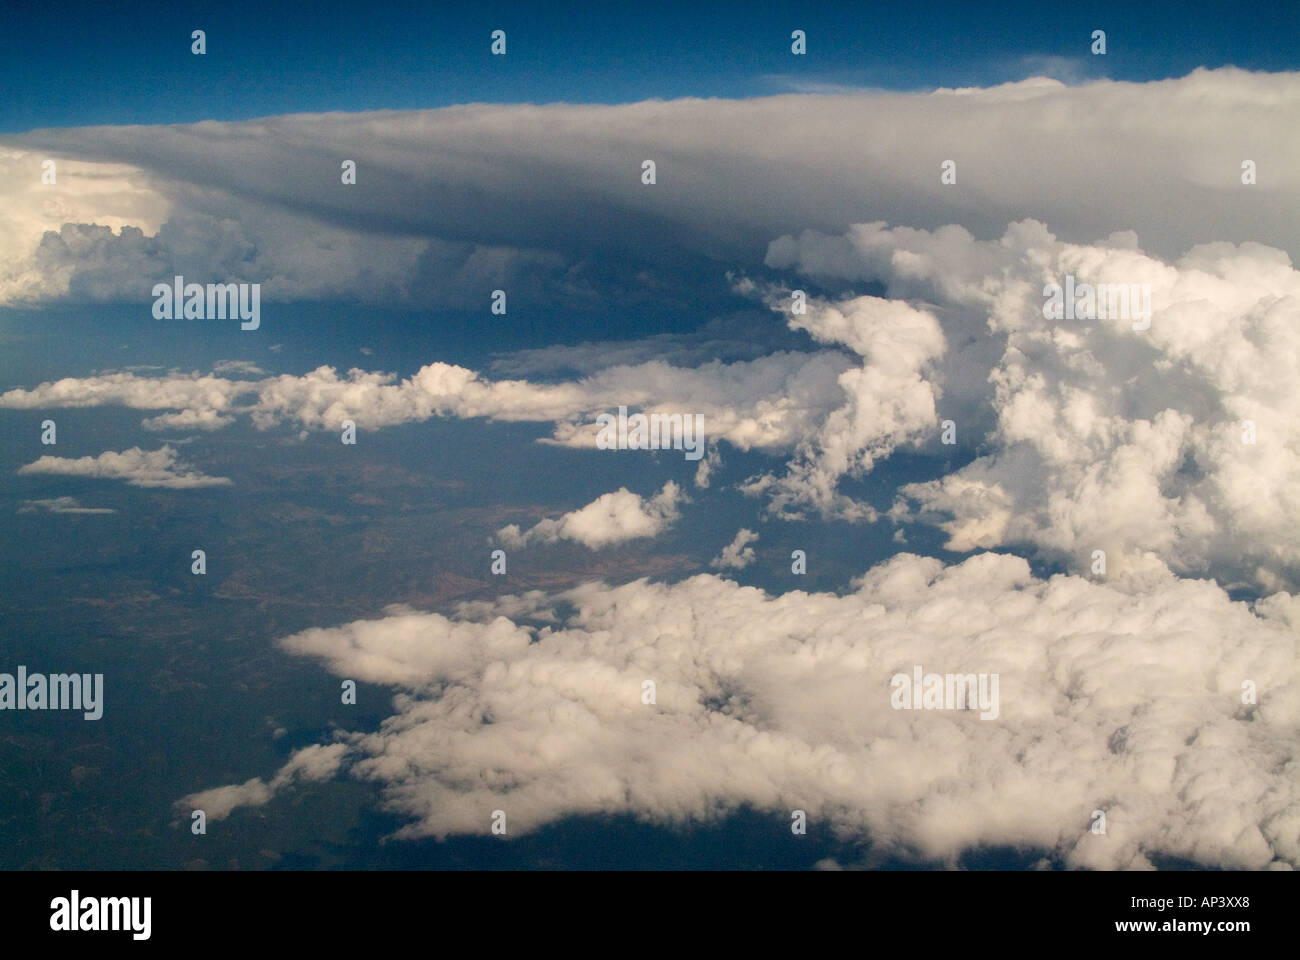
68 505
139 468
736 555
609 519
314 763
238 366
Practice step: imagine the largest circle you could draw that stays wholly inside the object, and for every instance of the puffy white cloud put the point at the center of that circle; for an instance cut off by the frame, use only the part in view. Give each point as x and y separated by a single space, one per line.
887 401
738 554
769 403
1127 701
139 468
610 518
1104 436
709 465
201 396
116 196
836 415
219 802
208 419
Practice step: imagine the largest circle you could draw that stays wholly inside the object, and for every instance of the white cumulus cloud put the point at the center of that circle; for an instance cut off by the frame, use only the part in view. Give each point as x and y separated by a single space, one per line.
610 518
1178 442
738 554
139 468
1129 701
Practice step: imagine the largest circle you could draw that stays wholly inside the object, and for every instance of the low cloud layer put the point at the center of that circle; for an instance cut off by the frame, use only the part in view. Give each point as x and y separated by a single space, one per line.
769 404
1128 702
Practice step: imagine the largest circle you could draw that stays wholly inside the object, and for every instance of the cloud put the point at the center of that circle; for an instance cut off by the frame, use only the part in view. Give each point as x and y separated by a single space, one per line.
314 763
839 410
139 468
736 555
187 420
1127 701
888 401
68 505
198 397
1177 442
1091 435
245 367
724 338
213 237
115 196
1068 70
709 465
610 518
769 404
452 202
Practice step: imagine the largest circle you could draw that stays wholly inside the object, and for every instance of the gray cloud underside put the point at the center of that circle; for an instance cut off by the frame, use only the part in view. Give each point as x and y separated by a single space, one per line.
448 201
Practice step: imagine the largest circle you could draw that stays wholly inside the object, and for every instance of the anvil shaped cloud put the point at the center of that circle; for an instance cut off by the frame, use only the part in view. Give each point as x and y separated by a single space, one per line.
449 201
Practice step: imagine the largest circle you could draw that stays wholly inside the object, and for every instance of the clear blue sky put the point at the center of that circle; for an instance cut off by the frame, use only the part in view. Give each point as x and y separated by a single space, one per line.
111 63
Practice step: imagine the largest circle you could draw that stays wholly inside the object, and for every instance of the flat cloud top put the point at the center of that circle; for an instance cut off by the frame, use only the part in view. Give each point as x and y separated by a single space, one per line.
450 200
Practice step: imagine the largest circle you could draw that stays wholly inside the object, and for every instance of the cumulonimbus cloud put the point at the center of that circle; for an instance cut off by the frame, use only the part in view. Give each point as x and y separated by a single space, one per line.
1128 702
452 202
1176 441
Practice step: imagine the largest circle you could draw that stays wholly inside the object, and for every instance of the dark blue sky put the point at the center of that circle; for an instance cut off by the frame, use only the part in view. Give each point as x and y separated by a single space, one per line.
78 64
